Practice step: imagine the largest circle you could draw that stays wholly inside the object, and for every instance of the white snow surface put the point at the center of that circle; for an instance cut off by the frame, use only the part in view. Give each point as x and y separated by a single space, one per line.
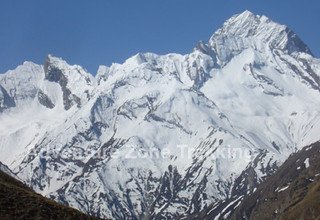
306 162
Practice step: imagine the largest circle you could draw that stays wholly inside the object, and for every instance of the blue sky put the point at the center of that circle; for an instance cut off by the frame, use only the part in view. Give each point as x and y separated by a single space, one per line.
93 32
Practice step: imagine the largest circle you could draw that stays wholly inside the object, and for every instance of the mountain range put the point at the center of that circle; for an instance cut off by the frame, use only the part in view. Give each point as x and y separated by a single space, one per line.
163 136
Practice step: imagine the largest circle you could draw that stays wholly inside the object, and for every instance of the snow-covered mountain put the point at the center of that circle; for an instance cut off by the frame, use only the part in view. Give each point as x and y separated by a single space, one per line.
162 136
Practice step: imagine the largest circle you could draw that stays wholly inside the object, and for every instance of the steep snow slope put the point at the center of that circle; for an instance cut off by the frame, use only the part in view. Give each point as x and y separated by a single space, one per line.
163 136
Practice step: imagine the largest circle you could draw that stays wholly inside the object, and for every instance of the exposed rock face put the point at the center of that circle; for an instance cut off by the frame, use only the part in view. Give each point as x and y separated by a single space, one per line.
5 100
45 100
55 73
164 136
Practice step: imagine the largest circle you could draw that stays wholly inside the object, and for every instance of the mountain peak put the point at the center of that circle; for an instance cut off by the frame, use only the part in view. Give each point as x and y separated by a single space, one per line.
54 61
52 68
248 24
244 15
247 30
60 65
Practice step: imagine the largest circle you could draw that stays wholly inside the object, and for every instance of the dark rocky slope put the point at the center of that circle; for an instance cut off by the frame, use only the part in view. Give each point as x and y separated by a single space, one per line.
17 201
293 192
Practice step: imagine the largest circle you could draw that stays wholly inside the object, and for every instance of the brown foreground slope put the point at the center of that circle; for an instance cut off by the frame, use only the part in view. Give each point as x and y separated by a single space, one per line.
293 192
18 202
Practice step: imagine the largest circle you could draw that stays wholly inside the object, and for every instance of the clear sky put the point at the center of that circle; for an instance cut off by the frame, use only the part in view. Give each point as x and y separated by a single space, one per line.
94 32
